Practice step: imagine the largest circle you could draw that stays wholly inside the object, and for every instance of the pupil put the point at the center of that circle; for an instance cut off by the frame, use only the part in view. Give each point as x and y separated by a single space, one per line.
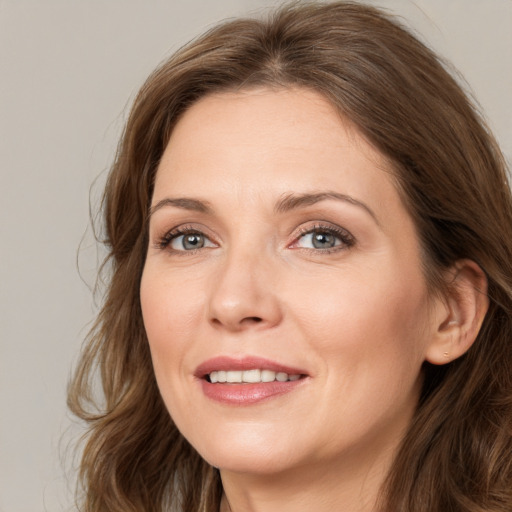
193 241
323 240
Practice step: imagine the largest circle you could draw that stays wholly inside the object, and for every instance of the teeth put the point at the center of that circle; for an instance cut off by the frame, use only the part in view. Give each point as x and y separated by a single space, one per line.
234 376
268 376
250 376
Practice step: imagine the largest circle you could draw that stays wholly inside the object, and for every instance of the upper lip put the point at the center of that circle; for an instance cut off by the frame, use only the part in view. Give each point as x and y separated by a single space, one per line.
244 363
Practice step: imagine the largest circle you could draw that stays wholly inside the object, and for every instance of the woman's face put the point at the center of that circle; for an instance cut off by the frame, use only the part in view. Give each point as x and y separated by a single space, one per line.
281 254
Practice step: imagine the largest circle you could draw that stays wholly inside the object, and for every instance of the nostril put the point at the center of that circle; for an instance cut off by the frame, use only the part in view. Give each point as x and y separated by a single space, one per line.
252 319
245 321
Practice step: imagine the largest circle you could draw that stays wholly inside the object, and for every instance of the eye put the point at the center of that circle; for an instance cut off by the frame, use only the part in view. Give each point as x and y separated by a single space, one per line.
189 241
324 239
318 240
185 239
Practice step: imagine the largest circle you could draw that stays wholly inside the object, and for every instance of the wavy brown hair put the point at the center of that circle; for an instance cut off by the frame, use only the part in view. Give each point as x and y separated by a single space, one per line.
457 454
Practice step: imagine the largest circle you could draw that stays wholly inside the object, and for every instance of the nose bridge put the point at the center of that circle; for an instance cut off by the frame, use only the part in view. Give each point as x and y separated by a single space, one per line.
243 292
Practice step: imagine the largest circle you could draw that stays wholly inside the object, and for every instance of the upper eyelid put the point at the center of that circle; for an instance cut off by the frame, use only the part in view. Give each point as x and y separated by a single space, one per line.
346 237
184 227
326 226
163 238
304 228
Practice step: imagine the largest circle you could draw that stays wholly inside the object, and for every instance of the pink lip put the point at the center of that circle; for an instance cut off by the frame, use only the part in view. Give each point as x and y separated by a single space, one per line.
246 394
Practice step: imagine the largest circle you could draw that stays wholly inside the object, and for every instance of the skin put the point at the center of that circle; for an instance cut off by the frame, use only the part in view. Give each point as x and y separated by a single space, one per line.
357 318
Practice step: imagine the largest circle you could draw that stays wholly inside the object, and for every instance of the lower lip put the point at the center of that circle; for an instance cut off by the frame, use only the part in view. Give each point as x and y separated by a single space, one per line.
247 394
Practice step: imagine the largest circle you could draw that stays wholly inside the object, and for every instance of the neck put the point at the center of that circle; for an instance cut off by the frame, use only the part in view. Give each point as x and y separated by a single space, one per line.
322 488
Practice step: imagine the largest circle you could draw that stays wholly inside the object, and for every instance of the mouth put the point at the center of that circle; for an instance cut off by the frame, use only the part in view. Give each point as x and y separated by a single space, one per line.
247 380
253 376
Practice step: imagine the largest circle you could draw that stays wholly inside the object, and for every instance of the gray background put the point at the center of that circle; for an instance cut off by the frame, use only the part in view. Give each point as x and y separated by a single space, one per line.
68 71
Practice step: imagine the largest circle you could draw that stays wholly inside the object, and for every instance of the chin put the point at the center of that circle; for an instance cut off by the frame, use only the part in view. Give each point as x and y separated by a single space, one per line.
250 453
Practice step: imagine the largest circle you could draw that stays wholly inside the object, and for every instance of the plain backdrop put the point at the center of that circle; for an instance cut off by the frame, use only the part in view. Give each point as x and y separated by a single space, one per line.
68 72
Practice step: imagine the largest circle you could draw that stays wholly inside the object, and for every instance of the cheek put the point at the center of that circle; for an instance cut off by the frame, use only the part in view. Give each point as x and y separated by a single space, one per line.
171 308
171 304
373 320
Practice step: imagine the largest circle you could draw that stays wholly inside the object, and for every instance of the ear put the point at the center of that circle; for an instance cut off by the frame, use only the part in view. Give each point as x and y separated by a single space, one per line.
459 314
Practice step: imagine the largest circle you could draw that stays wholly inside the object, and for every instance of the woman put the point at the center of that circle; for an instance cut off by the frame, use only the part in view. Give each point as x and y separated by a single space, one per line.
310 300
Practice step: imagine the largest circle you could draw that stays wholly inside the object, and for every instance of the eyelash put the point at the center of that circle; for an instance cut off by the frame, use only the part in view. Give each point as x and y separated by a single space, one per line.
166 240
346 238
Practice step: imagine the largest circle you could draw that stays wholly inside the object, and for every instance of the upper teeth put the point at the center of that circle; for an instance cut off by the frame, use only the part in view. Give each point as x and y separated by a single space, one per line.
251 376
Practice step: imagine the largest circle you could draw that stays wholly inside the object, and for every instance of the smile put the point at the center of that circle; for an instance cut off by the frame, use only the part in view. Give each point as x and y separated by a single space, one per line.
250 376
247 380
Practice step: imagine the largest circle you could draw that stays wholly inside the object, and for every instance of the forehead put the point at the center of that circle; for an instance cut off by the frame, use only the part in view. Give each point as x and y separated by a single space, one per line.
263 143
297 118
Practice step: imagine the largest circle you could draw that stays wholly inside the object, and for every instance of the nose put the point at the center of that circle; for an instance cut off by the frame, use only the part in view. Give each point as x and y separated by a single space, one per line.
244 294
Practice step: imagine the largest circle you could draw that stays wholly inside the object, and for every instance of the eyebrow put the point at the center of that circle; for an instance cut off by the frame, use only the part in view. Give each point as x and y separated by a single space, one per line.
184 203
285 204
296 201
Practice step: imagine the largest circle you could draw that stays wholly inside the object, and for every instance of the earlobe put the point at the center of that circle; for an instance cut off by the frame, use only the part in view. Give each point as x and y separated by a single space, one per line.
459 314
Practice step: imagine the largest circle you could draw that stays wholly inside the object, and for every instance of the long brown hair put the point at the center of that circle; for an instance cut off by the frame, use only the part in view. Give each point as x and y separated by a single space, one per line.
457 454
